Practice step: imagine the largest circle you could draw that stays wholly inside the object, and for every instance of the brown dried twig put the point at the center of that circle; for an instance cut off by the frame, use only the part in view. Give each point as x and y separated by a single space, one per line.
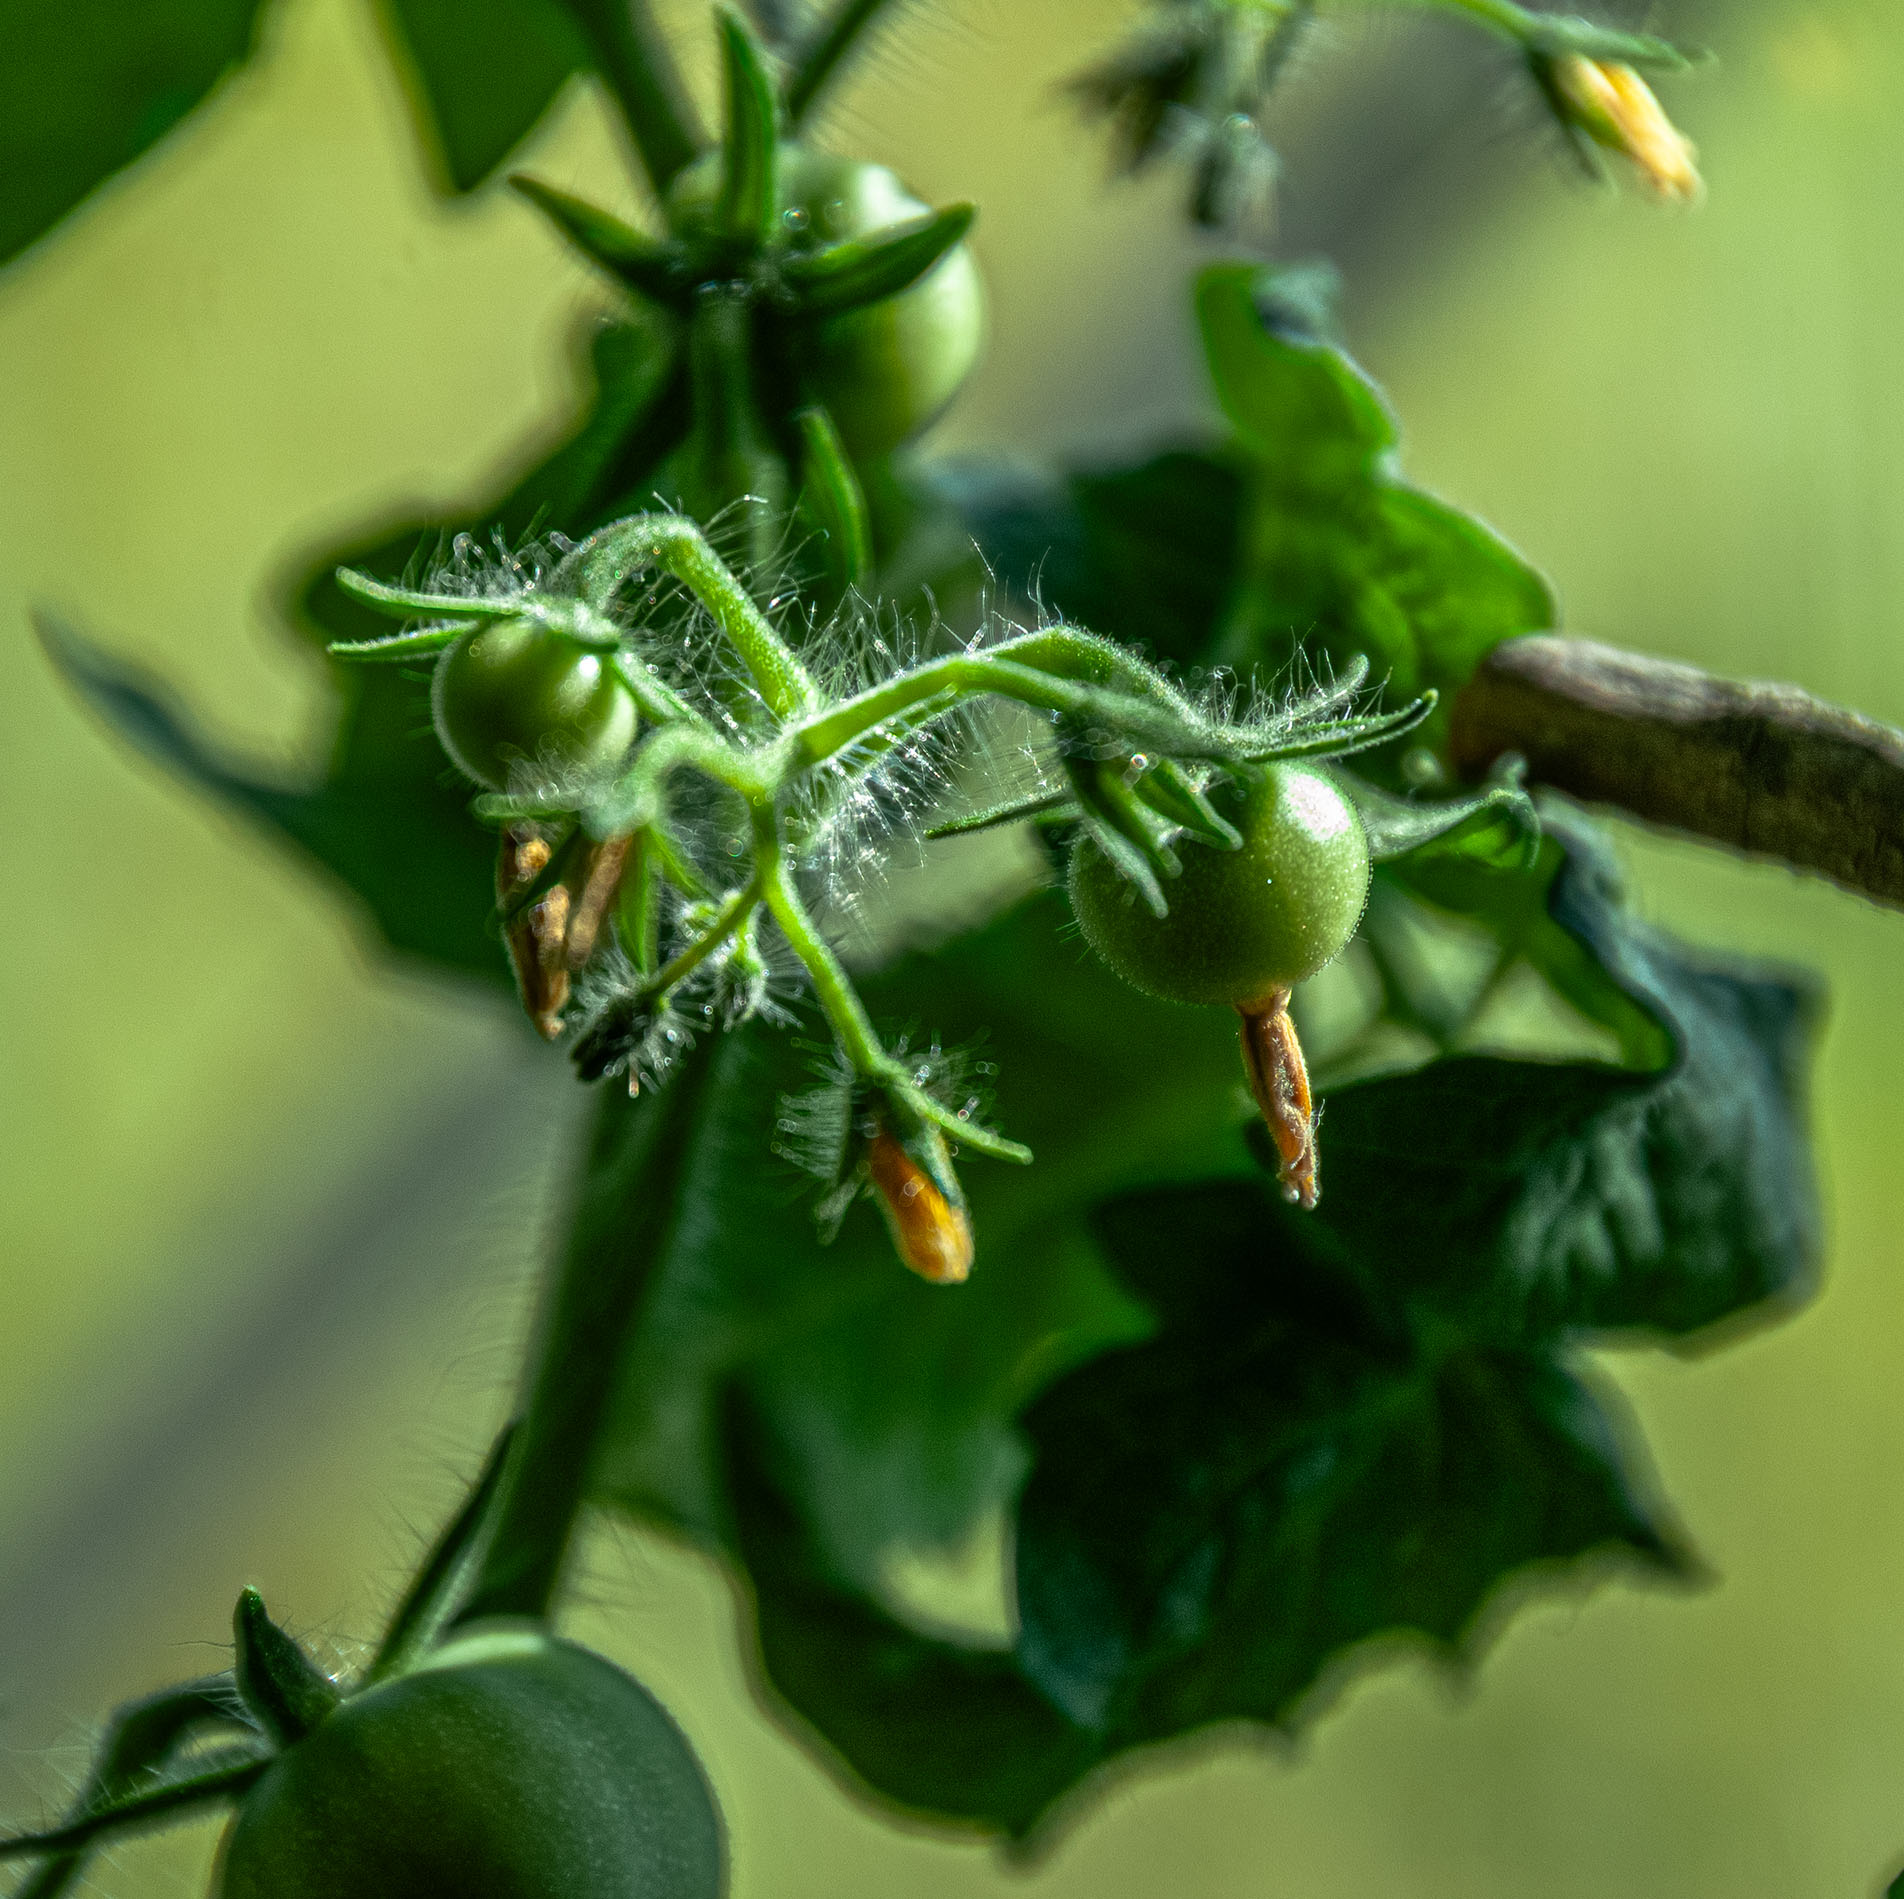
1766 769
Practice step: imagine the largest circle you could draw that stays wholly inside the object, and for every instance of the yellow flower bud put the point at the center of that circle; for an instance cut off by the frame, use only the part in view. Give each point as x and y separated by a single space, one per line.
930 1234
1615 107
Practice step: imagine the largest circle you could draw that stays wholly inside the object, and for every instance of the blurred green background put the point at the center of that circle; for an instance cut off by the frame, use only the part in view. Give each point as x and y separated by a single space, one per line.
268 1203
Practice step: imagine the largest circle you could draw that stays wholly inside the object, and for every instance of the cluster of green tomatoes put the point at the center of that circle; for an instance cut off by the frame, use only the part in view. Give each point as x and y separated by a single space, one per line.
1213 862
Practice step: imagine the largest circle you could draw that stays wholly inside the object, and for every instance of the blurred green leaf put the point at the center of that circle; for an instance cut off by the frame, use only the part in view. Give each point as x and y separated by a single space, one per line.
481 73
1146 554
893 1400
1339 558
391 821
85 89
951 1729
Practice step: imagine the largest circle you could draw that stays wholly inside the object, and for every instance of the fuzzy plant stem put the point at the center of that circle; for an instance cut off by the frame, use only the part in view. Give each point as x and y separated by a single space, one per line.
636 1183
641 73
605 562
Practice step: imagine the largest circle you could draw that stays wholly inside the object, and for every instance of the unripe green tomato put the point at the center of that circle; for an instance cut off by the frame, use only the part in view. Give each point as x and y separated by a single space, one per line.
888 369
1242 923
512 693
511 1765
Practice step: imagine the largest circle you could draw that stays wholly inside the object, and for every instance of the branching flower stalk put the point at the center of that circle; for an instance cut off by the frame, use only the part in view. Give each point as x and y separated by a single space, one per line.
1137 757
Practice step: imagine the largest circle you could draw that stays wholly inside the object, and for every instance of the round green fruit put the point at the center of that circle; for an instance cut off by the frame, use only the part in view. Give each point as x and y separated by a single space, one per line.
510 1765
1242 923
513 693
888 369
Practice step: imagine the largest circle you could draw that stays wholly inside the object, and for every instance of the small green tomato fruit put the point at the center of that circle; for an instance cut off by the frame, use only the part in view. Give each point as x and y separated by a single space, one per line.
512 693
510 1765
887 370
1243 924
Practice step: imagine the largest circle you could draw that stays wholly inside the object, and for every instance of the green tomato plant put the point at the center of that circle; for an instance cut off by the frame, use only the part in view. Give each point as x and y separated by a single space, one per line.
700 674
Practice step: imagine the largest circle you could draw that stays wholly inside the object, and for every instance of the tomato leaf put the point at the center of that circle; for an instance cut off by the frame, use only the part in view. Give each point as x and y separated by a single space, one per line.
894 1401
85 89
1145 553
1364 1420
1339 556
1368 1419
481 73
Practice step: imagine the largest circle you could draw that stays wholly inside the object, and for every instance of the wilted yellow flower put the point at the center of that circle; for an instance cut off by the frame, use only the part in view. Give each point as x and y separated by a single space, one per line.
931 1235
1615 107
1279 1079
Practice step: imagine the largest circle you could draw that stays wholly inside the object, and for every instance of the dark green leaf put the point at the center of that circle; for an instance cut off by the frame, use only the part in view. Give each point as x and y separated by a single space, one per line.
1369 1418
1339 558
481 73
85 89
894 1400
1286 1471
1145 554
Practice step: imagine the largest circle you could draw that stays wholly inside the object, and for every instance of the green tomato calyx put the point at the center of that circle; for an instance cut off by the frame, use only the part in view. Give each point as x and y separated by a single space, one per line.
1241 924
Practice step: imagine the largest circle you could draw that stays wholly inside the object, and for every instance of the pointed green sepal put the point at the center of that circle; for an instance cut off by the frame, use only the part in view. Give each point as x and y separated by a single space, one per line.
1550 34
1396 826
286 1692
1129 833
1049 807
1337 738
405 603
867 270
1172 793
442 1585
225 1780
750 148
835 498
656 270
964 1130
425 644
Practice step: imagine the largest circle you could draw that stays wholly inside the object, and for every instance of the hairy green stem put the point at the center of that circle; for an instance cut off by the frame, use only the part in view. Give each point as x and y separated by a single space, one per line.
845 1013
638 799
739 905
659 702
222 1782
976 674
635 1182
140 1740
672 543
